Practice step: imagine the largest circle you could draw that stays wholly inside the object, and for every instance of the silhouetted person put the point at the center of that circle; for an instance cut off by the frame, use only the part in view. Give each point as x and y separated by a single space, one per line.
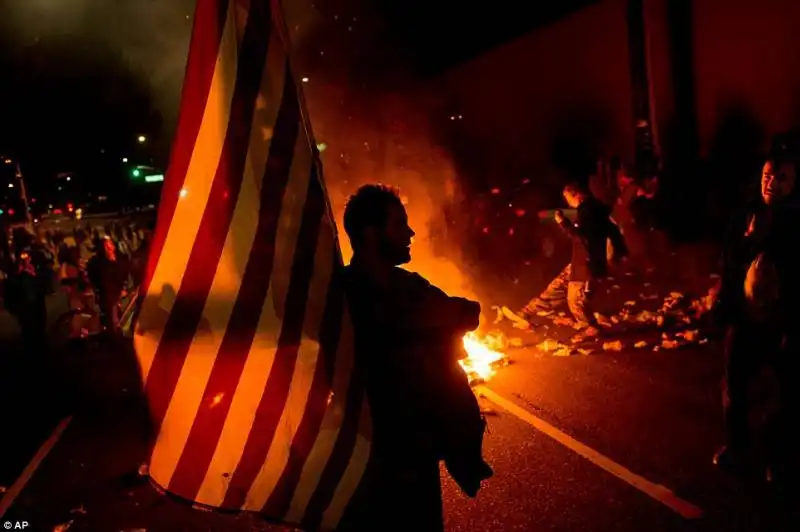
28 285
758 304
407 338
590 233
107 273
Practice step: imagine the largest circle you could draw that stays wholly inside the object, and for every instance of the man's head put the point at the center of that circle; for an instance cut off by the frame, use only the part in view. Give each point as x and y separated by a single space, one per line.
377 224
778 177
625 175
574 195
110 248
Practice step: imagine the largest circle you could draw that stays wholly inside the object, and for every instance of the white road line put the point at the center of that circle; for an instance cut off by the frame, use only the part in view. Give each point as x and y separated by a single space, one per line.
658 492
13 492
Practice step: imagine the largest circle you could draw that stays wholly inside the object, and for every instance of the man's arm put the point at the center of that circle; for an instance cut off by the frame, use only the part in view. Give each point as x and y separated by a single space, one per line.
573 229
617 240
739 250
423 307
411 305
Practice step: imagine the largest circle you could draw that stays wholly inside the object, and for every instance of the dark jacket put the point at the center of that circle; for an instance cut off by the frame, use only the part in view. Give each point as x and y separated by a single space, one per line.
407 339
775 240
590 232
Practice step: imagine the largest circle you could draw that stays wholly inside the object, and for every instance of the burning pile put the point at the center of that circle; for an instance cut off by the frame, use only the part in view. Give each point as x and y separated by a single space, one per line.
483 356
675 316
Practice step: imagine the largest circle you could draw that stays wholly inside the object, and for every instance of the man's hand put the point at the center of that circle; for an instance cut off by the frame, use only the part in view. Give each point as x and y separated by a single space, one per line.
759 226
470 312
619 260
559 216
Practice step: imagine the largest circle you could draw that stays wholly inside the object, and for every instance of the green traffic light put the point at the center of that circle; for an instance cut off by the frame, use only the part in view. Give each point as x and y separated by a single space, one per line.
136 172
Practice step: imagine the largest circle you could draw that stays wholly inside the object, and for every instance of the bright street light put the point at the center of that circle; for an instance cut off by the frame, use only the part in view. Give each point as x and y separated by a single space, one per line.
142 138
124 159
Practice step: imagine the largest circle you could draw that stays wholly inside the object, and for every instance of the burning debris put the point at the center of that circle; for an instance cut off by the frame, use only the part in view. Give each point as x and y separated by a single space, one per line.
613 346
484 356
671 315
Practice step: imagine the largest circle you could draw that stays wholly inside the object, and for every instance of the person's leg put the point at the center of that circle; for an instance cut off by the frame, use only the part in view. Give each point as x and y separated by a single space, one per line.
114 306
741 352
106 305
397 495
785 444
579 301
554 294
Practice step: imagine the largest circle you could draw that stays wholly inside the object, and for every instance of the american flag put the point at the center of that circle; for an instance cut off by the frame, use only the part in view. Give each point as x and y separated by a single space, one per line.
242 336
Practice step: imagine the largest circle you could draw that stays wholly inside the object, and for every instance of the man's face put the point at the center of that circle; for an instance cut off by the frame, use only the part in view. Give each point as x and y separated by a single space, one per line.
777 181
572 199
623 179
110 249
394 243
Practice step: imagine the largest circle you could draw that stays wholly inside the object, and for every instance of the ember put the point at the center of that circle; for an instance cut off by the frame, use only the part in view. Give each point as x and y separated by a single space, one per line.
481 360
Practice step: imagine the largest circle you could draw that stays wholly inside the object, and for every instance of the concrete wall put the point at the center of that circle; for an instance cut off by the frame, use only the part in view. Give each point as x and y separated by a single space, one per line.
569 83
531 103
747 66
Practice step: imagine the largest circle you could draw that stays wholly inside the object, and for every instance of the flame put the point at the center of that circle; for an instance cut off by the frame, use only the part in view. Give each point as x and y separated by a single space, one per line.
481 360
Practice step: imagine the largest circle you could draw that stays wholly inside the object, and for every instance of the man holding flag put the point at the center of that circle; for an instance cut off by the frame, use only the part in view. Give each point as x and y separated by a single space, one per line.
406 336
242 332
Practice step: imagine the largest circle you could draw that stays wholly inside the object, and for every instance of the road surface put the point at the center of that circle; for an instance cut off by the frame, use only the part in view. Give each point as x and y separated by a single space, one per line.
647 421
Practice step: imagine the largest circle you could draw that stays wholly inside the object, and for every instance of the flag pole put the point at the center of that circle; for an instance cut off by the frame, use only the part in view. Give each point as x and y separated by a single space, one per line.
283 31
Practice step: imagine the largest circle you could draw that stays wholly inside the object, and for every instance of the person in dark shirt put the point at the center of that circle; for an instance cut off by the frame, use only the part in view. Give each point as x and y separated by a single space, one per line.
27 291
407 335
107 273
590 233
757 305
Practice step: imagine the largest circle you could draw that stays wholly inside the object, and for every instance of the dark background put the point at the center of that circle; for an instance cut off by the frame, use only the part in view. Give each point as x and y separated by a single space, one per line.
544 88
73 99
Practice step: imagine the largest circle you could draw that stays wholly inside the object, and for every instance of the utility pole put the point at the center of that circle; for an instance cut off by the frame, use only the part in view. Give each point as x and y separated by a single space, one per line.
24 196
646 150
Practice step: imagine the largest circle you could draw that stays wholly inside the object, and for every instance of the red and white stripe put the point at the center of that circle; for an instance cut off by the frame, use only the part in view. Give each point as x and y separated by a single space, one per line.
242 334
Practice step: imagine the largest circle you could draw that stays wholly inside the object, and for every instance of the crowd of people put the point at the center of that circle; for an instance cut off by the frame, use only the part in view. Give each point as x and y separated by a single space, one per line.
93 264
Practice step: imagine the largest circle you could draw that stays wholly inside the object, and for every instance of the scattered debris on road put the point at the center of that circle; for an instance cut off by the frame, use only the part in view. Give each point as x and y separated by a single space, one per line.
669 319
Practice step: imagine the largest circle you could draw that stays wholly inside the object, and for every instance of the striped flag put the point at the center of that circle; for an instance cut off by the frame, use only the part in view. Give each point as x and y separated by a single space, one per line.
242 335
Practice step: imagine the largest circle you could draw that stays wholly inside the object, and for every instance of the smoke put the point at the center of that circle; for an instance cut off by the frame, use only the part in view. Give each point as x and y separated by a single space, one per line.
151 36
375 130
385 138
374 121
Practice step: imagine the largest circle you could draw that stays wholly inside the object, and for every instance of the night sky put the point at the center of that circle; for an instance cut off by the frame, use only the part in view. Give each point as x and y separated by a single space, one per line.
83 78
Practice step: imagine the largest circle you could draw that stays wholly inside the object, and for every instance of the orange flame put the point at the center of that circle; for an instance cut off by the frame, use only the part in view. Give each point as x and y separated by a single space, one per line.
481 361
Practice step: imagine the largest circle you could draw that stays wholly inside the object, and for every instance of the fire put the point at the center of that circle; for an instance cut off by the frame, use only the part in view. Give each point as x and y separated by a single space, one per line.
481 361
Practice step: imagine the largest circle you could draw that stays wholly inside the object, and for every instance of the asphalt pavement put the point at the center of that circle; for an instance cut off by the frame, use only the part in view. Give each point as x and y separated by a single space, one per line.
612 441
653 414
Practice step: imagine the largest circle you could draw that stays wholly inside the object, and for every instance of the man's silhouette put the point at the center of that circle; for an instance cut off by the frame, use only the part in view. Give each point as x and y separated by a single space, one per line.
407 338
757 303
